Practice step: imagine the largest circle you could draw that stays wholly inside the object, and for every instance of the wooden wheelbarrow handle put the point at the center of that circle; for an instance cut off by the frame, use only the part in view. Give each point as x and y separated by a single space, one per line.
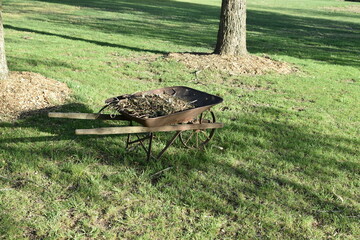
88 116
140 129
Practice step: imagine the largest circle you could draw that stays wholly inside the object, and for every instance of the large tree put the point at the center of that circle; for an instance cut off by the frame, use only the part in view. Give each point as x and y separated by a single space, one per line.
231 39
3 64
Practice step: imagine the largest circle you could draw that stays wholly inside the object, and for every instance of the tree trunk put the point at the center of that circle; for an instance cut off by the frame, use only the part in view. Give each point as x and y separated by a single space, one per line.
231 39
3 64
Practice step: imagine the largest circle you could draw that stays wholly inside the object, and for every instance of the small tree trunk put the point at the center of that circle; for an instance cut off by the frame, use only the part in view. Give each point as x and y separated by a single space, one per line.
3 64
231 39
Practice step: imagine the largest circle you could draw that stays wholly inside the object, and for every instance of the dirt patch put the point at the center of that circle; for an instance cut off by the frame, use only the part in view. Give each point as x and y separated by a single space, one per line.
352 9
23 92
244 65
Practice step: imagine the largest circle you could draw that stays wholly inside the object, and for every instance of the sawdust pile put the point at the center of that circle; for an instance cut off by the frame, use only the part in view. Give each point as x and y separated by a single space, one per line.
234 65
352 9
23 92
150 106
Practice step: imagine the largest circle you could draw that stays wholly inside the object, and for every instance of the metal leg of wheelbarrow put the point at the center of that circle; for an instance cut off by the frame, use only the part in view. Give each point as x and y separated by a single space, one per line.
128 137
140 141
170 142
149 147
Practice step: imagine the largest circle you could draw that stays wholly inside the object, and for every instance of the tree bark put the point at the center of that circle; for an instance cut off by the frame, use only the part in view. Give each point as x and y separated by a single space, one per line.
3 64
231 39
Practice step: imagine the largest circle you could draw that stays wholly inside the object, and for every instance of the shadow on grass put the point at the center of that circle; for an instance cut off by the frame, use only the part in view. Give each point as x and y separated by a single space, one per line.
284 172
60 130
23 64
296 171
99 43
192 24
335 42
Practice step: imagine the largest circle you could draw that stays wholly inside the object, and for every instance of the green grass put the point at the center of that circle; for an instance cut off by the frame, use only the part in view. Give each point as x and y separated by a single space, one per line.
290 164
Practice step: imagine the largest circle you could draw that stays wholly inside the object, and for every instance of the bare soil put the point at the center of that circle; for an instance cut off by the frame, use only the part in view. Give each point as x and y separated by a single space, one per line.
26 92
234 65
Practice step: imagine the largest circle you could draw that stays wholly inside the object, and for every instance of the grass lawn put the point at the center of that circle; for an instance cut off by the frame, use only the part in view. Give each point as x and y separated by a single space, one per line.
286 165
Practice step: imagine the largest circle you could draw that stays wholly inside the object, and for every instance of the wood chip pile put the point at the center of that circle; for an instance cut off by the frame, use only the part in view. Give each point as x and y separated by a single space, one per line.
27 93
234 65
151 106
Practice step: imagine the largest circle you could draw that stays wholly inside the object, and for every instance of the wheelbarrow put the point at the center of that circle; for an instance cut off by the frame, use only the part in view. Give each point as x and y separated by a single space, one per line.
194 127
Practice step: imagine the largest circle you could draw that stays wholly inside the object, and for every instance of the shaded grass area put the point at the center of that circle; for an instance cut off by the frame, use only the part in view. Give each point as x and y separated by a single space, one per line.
184 23
283 178
325 40
286 166
99 43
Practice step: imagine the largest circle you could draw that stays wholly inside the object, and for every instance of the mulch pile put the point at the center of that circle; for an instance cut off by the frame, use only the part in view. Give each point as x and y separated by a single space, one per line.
151 105
247 65
25 92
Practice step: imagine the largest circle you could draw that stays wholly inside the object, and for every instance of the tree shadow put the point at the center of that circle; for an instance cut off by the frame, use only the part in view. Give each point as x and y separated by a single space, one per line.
291 166
191 24
144 21
23 64
334 42
110 148
57 133
205 180
99 43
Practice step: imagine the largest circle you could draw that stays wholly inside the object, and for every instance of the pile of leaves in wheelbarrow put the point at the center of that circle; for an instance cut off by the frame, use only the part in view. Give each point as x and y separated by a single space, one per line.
151 105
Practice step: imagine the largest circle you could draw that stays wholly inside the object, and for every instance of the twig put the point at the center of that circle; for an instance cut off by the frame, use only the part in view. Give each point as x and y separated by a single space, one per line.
218 147
6 189
193 101
159 172
330 211
338 196
6 178
196 74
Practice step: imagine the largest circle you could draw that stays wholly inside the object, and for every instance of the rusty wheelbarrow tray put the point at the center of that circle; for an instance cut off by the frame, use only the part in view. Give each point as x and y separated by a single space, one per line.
194 127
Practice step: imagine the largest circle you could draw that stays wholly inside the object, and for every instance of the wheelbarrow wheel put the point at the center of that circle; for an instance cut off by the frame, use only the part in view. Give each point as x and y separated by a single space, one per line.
199 138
